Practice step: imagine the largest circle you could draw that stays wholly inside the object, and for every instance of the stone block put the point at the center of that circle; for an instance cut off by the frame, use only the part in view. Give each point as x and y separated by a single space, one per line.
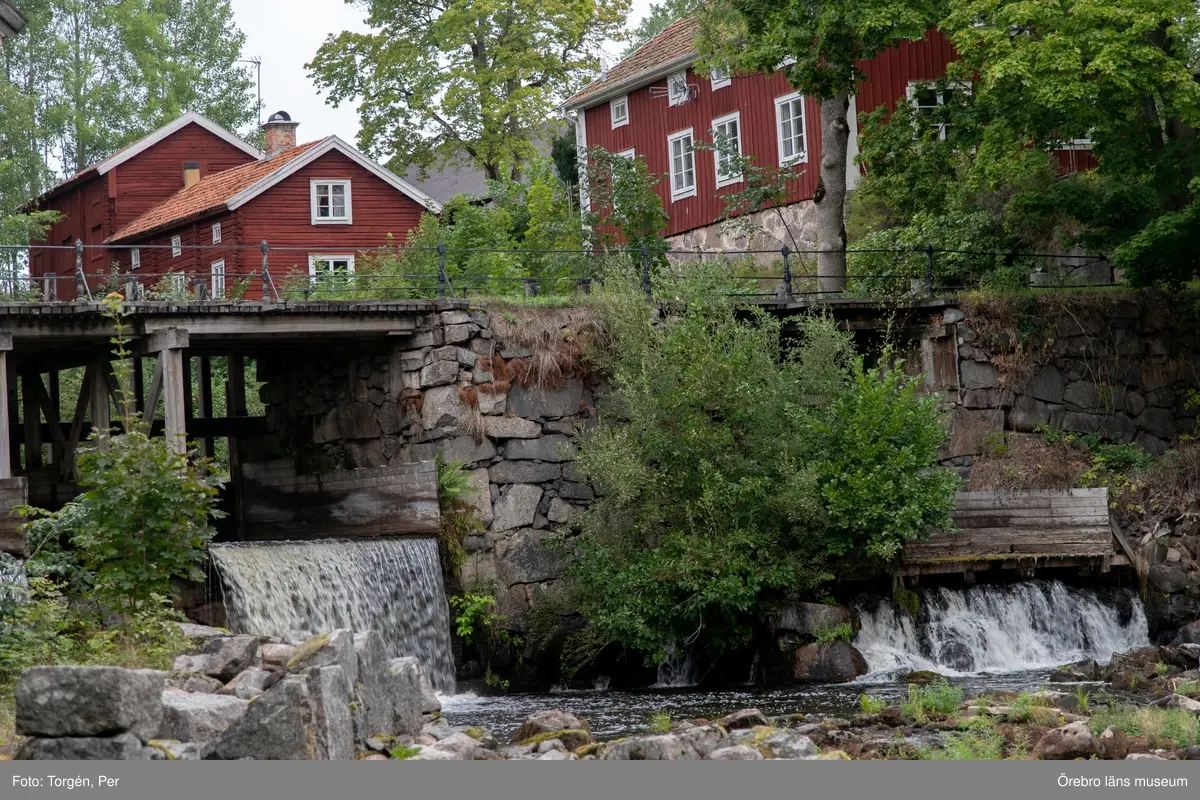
480 496
195 717
806 619
511 428
89 701
457 333
1134 403
329 693
977 375
1082 395
516 507
465 450
492 402
247 684
1047 385
439 373
373 712
478 570
1027 414
1161 398
1080 423
327 649
404 691
523 557
455 317
1118 427
533 402
122 747
577 491
970 426
442 406
277 727
554 447
1157 422
523 472
561 511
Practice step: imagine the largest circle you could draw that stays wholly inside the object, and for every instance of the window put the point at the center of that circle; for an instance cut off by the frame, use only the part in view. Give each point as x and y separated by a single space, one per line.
727 136
927 98
323 266
678 90
135 258
720 78
216 230
619 110
683 165
789 119
629 154
176 247
218 279
331 202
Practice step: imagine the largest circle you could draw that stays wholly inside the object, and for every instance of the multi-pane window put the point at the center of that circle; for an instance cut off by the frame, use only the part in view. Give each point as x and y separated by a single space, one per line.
216 233
323 266
176 247
678 90
619 110
727 138
720 78
135 258
331 202
218 279
683 164
930 100
789 119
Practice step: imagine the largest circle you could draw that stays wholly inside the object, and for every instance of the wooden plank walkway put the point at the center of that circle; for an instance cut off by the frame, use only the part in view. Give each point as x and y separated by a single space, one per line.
1072 524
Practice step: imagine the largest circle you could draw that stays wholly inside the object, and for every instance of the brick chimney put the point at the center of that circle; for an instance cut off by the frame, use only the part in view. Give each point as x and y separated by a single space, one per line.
191 174
279 133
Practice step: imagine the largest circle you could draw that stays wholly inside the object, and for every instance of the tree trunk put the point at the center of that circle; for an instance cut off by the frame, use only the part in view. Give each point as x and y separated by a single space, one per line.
831 202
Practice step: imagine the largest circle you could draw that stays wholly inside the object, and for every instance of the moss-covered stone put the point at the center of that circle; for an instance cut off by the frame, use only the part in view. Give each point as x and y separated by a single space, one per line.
921 677
572 739
307 650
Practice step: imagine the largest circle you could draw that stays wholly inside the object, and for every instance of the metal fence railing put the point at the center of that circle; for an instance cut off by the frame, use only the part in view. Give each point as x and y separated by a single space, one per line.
274 274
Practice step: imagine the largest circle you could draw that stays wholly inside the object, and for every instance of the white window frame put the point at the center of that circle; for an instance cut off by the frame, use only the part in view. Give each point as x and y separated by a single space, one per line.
315 258
915 86
688 191
674 80
217 273
216 233
800 157
728 180
720 78
135 258
176 247
348 219
619 120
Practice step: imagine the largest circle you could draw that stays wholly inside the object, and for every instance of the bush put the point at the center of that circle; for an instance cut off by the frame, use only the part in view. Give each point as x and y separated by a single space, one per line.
940 698
733 473
835 633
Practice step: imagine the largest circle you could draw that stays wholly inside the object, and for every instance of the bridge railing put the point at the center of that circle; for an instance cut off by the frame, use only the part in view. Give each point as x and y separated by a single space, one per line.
273 274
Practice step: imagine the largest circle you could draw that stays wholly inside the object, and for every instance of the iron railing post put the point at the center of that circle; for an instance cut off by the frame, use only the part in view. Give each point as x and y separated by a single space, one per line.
81 279
787 272
442 280
646 287
929 269
266 274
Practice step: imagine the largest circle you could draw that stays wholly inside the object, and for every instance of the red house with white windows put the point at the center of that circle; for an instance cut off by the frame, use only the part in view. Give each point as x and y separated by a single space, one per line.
191 199
653 105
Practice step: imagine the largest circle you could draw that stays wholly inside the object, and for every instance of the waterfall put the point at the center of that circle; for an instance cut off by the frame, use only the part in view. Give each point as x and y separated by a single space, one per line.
1029 625
677 671
393 586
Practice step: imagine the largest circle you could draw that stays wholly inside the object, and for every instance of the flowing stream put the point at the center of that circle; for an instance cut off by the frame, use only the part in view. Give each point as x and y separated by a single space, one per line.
393 586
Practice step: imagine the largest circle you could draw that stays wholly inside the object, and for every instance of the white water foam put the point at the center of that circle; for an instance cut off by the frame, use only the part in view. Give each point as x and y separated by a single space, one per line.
1023 626
393 586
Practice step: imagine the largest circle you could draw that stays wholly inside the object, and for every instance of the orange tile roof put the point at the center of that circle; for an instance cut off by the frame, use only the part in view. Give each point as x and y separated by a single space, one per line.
210 194
677 41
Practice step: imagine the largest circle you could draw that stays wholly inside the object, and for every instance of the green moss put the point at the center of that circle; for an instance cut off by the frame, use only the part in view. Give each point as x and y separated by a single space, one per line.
475 733
403 753
307 650
545 737
587 750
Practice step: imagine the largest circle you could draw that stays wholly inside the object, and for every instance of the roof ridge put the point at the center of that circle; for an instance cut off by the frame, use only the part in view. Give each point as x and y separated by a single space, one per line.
644 53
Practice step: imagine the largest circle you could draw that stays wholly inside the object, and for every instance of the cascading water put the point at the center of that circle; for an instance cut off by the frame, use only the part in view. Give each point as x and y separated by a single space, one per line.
676 670
393 586
1023 626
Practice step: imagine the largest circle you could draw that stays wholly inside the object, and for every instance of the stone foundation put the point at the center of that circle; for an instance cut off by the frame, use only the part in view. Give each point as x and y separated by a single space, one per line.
799 233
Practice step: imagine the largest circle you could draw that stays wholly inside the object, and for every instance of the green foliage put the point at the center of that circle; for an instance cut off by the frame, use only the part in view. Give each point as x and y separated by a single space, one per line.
871 705
143 518
473 615
1111 462
978 741
660 722
403 752
626 211
458 517
733 473
1161 669
1162 727
835 633
656 21
495 681
937 699
1083 698
460 80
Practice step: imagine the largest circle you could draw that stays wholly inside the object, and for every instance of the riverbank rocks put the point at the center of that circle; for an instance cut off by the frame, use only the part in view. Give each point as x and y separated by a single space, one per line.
197 717
405 696
277 726
573 731
1188 634
828 662
738 752
374 709
221 657
807 619
744 718
122 747
329 694
1113 744
89 701
1086 670
1071 741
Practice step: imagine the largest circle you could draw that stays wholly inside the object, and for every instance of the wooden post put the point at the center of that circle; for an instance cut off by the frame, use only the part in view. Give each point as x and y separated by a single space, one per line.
31 415
98 399
5 432
139 386
205 400
236 407
169 345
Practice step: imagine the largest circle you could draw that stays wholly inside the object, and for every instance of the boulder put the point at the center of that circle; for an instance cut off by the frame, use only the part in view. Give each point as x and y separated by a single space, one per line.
195 717
920 677
1113 744
664 747
788 744
221 657
460 744
828 662
89 702
404 691
534 402
329 694
194 683
805 619
276 656
328 649
1070 741
977 375
554 447
745 718
122 747
433 753
557 755
561 511
277 727
480 495
1144 757
1178 701
739 752
1188 634
556 722
200 633
700 742
429 699
250 683
523 558
1086 670
516 507
374 709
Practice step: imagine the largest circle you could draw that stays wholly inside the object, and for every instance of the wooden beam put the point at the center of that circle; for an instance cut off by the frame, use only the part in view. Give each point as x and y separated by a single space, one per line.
205 401
174 413
81 403
139 385
155 390
5 452
50 410
31 416
236 407
98 398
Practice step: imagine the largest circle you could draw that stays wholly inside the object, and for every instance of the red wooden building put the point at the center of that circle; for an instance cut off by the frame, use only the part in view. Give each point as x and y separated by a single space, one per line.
654 105
193 200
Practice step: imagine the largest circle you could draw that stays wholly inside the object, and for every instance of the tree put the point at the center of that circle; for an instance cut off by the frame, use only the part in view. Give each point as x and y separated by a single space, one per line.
626 211
733 474
449 77
656 21
823 44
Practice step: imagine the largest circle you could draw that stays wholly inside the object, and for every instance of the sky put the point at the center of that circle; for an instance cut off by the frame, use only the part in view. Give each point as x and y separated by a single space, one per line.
285 34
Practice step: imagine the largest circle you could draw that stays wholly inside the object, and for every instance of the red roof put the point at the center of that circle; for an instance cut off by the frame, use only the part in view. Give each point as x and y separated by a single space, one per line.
676 42
210 194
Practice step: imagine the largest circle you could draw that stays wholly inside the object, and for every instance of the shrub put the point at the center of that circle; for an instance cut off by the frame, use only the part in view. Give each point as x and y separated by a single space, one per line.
939 698
835 633
871 705
660 722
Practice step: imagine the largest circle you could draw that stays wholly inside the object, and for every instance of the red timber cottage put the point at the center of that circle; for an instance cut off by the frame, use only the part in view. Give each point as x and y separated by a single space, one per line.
191 199
653 105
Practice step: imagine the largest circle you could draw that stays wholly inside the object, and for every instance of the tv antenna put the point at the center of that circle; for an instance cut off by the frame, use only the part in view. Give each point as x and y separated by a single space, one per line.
257 62
676 86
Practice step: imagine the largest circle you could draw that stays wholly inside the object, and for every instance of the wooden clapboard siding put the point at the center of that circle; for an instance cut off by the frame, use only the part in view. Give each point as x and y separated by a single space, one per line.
1008 524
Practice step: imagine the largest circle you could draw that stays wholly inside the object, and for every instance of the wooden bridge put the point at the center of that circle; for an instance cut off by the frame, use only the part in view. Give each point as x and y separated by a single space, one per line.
1022 531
